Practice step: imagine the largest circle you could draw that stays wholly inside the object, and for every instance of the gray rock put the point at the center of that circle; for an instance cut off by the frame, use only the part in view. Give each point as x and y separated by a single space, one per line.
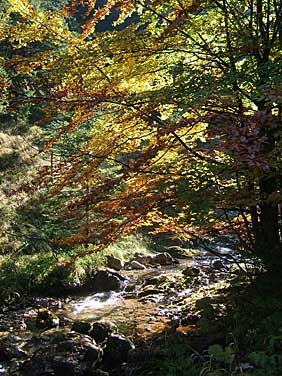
117 349
114 263
107 280
101 330
149 290
143 259
135 265
162 259
46 319
179 252
92 353
118 275
82 327
62 365
156 280
67 353
65 321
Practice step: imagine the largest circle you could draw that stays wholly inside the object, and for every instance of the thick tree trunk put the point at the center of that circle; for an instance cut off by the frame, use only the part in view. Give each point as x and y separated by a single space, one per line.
268 244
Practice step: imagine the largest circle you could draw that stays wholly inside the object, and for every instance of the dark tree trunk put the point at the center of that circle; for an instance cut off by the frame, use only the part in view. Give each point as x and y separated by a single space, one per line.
268 244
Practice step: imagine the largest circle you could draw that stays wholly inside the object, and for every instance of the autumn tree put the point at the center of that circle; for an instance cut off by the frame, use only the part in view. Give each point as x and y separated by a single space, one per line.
185 110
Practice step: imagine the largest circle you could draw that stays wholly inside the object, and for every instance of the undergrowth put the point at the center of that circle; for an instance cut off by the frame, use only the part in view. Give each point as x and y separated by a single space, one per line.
250 327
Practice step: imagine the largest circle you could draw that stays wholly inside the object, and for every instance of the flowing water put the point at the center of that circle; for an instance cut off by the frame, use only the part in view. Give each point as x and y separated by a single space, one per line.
124 308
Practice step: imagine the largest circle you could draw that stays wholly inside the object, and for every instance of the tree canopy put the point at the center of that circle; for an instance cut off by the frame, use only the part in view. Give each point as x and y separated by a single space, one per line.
169 118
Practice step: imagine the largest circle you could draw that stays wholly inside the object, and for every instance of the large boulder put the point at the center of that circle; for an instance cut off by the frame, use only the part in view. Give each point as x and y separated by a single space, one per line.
101 330
107 280
158 259
143 259
69 354
114 263
162 259
116 350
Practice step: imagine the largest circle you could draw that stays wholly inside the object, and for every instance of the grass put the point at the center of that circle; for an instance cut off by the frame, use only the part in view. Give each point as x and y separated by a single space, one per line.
26 272
125 248
43 273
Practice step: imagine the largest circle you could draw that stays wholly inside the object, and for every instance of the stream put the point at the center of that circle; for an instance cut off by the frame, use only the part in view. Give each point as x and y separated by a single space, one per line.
124 308
147 305
124 305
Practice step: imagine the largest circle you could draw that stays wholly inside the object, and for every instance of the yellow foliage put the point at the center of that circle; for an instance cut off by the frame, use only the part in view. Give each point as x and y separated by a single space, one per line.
148 94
